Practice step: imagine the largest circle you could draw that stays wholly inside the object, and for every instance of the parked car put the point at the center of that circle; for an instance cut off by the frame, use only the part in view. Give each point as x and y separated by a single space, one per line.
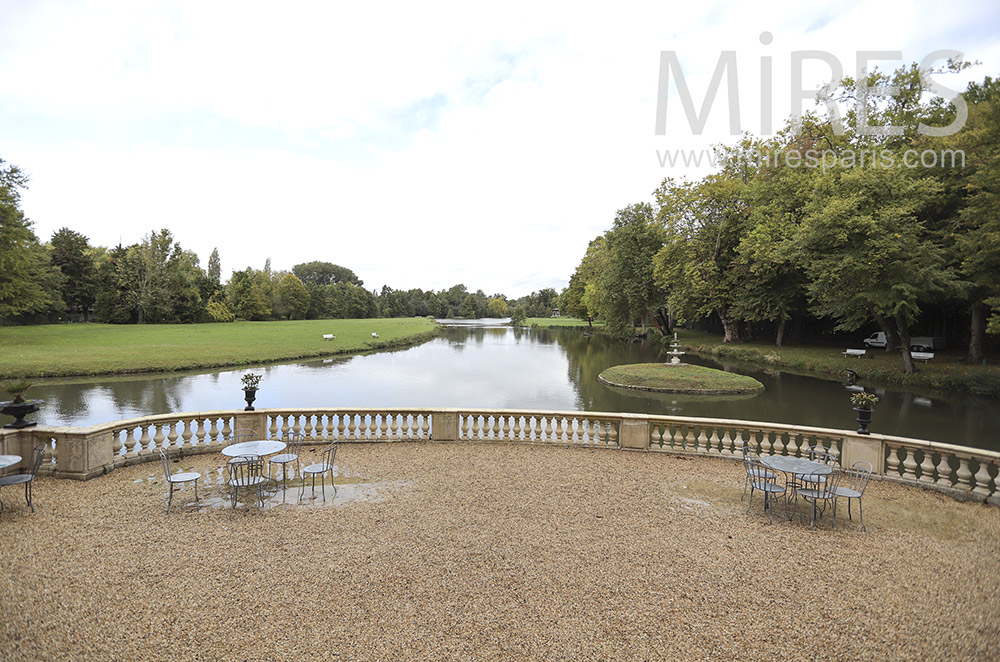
917 343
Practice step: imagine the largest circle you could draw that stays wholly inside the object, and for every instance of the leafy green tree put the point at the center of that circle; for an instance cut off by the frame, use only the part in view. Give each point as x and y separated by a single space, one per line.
324 273
293 298
518 315
497 306
28 283
698 266
246 296
72 254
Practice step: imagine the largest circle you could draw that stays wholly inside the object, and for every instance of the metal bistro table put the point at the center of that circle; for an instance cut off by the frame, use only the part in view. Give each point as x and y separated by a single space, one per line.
260 448
9 460
795 466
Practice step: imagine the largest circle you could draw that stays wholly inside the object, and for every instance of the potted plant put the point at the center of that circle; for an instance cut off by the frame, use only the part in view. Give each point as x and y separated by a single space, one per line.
18 407
250 383
864 404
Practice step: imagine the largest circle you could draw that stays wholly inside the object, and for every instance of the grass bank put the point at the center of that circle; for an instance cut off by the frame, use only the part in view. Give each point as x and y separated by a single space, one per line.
560 321
679 379
60 350
946 371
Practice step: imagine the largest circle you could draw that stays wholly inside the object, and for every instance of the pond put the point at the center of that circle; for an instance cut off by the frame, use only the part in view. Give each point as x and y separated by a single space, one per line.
476 365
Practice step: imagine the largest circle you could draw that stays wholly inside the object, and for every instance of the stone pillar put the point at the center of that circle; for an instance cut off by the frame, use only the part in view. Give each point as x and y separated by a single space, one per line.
444 426
634 434
866 448
83 455
251 421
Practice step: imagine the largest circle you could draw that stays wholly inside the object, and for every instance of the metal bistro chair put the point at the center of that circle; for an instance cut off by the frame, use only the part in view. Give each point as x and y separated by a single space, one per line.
182 477
292 451
37 453
757 477
857 478
321 468
816 454
825 492
247 474
749 452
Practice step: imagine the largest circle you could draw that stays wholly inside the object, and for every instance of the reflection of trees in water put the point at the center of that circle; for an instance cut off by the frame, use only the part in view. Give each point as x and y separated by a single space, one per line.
128 398
587 357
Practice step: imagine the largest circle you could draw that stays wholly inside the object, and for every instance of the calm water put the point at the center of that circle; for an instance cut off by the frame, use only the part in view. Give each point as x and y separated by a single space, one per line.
501 367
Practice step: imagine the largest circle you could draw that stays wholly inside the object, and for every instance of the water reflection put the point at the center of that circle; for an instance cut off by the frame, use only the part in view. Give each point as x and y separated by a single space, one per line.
501 367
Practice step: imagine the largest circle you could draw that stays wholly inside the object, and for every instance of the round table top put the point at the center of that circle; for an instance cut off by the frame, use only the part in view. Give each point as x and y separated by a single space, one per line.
796 465
9 460
254 448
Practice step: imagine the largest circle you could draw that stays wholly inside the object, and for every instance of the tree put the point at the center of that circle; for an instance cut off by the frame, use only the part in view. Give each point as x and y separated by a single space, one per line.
293 298
324 273
28 283
497 306
698 266
214 270
629 290
72 254
246 297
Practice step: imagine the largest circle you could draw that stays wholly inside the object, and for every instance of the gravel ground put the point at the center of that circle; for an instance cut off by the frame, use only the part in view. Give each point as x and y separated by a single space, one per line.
491 552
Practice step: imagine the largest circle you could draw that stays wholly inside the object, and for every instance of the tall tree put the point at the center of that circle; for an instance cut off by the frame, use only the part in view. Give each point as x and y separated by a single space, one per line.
72 254
28 283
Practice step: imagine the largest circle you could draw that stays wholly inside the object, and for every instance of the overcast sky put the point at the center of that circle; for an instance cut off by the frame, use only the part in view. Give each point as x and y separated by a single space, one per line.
419 144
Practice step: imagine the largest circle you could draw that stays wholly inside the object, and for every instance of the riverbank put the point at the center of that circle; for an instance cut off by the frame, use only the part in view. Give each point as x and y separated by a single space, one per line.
947 371
64 350
565 322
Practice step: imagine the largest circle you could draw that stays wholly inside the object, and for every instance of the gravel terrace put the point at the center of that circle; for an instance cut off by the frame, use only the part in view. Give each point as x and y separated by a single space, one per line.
492 552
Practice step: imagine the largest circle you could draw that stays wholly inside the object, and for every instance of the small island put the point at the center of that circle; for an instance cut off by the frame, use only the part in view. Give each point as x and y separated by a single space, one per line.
681 378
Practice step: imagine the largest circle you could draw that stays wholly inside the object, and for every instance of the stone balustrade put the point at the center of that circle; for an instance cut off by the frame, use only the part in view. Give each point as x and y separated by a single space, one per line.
86 452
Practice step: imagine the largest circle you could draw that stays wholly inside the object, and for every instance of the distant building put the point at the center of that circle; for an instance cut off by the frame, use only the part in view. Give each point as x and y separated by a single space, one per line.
555 312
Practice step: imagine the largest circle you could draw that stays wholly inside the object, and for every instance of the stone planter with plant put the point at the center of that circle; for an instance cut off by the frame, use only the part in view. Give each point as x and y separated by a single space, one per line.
18 407
251 381
864 404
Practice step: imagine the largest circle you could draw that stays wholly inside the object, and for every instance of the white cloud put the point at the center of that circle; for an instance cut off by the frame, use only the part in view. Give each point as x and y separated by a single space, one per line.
419 144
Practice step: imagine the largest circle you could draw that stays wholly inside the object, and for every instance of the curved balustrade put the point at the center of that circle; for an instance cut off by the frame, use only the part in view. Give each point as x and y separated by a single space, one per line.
87 452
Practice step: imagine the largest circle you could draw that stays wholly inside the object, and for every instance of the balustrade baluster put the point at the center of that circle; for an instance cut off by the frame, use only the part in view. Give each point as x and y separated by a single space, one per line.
964 475
187 434
172 435
944 470
927 468
982 480
213 431
612 433
909 464
892 461
227 430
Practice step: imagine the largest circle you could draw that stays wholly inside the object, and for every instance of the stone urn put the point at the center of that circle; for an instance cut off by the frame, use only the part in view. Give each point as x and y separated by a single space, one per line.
19 410
864 418
249 394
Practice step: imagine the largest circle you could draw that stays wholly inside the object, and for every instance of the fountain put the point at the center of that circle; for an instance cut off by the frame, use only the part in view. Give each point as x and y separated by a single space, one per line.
675 351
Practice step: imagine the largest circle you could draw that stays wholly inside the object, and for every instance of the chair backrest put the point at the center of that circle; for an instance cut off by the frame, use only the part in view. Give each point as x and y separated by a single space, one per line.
821 454
330 454
828 487
241 436
757 473
858 476
294 444
37 455
165 460
246 471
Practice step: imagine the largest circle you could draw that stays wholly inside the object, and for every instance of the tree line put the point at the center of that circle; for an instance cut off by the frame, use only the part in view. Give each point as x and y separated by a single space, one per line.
844 219
157 281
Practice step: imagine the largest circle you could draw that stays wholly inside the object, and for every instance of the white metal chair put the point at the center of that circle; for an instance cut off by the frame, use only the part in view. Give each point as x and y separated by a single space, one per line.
824 492
247 474
857 478
757 476
178 478
749 452
321 468
292 451
27 479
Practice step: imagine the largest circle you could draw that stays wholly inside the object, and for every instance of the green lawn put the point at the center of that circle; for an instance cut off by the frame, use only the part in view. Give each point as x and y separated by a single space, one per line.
558 321
946 371
679 379
91 349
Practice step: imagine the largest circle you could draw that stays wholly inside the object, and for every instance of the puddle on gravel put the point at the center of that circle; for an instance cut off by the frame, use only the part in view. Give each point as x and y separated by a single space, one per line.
213 491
